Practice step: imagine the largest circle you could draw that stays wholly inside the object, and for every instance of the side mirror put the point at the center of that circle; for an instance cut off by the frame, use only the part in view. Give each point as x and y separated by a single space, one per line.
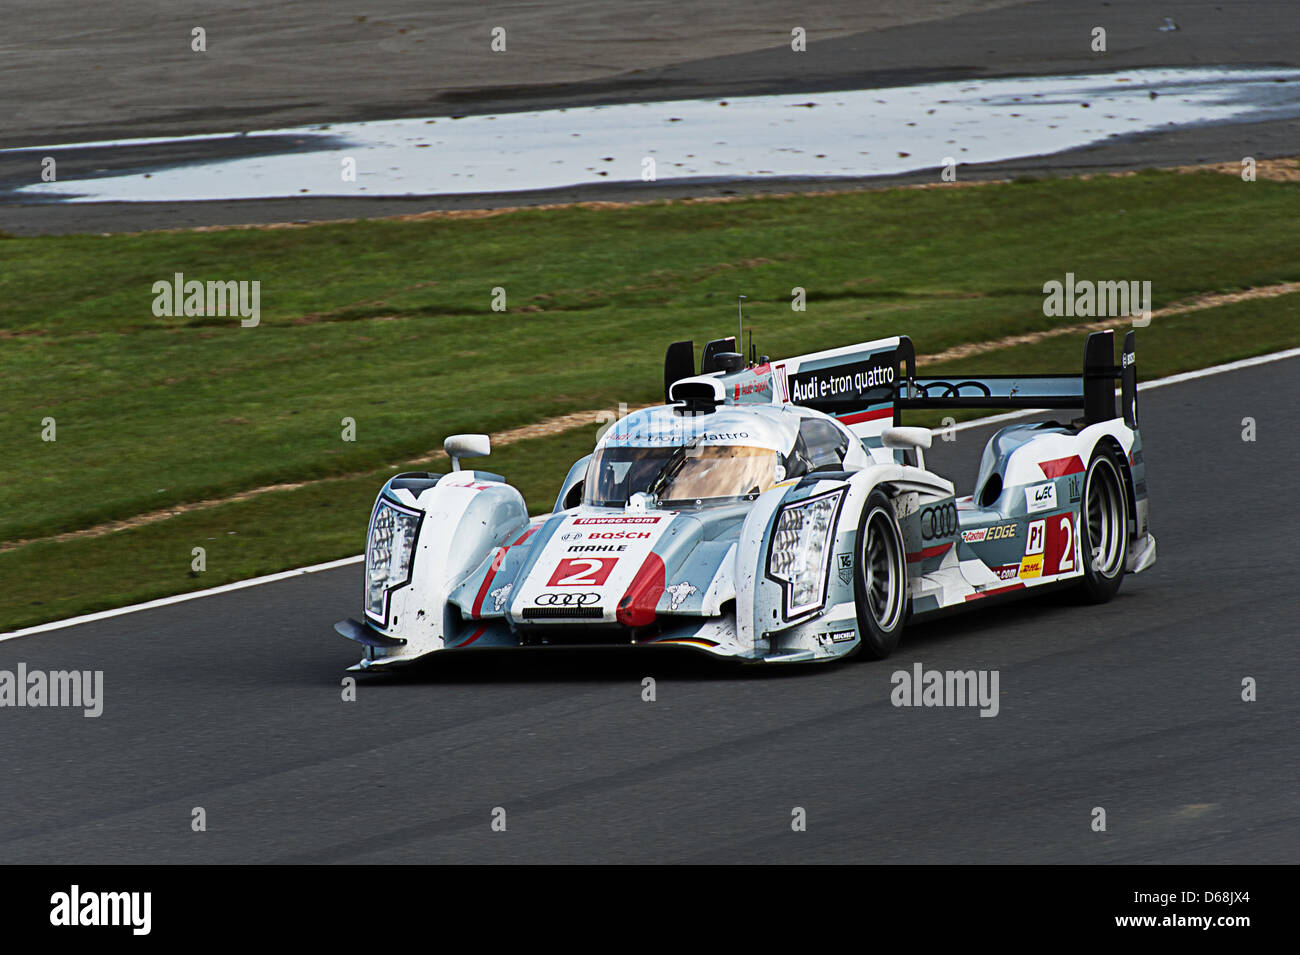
466 446
916 438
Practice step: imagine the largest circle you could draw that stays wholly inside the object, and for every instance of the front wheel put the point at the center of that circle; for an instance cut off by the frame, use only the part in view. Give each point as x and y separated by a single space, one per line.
880 578
1105 528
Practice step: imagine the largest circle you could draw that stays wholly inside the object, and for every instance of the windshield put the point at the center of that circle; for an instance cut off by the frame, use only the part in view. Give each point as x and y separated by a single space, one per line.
681 475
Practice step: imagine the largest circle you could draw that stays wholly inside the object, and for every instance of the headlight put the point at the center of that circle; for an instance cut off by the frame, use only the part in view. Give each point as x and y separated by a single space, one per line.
801 546
388 554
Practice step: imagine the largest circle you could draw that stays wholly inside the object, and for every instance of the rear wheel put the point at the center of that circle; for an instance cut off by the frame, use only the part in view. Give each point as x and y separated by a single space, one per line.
1104 535
880 578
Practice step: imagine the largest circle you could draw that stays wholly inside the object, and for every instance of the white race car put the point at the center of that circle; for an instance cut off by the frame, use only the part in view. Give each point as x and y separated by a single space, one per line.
771 511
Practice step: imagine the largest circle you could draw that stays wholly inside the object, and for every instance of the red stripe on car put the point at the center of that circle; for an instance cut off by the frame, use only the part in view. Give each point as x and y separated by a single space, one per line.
934 551
492 572
487 580
1060 467
637 607
875 415
477 633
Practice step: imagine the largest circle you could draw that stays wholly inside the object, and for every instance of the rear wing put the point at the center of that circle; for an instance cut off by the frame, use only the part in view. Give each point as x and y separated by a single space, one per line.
1093 391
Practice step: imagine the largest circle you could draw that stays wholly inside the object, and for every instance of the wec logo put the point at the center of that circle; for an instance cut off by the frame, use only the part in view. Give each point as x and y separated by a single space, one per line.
1040 497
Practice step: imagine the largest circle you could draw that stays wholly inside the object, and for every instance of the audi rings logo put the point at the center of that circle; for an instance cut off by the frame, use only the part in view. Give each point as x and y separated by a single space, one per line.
565 600
939 521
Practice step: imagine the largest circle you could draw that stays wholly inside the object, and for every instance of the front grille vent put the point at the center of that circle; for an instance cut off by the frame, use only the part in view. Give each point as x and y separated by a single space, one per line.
562 613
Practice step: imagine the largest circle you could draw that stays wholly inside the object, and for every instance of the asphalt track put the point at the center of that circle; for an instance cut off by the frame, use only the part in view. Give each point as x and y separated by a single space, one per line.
232 703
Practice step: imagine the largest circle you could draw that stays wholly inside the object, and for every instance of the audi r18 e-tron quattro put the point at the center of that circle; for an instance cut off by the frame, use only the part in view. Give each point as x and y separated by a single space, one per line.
773 510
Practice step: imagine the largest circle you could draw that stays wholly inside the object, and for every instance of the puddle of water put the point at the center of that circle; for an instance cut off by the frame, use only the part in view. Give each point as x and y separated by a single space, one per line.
852 133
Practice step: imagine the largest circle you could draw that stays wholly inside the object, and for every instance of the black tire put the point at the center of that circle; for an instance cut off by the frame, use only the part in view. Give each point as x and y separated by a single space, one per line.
1103 527
880 578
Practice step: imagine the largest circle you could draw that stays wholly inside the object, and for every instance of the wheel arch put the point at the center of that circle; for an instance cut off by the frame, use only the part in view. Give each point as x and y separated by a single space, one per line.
876 639
1111 443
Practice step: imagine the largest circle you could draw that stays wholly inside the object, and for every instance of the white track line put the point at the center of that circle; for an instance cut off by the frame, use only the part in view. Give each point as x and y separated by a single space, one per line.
1219 369
180 598
356 559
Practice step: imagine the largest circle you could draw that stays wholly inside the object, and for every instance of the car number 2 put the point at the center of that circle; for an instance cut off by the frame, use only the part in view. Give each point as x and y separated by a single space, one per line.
582 571
1059 545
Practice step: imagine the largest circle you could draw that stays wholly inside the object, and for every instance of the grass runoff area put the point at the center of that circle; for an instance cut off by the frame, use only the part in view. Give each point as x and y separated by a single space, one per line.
390 323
